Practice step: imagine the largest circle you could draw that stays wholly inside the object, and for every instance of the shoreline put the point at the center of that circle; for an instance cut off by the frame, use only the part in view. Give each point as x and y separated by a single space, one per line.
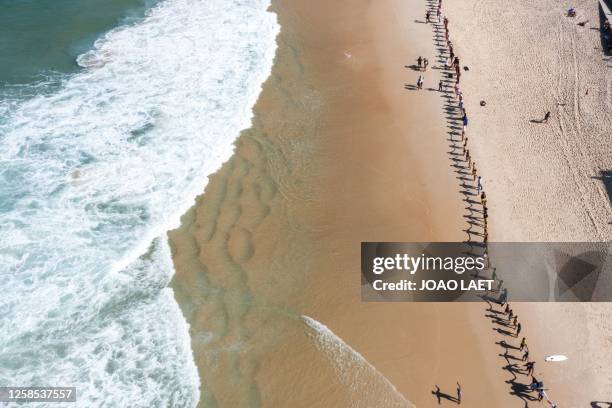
293 198
341 151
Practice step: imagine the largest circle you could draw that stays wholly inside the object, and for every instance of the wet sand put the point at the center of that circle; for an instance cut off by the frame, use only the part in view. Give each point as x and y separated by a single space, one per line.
340 151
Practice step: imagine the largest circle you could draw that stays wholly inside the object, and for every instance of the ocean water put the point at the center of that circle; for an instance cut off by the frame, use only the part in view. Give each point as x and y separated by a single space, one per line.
40 38
102 149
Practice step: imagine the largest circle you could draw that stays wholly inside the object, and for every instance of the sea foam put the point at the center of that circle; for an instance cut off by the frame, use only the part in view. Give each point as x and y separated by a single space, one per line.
91 178
368 387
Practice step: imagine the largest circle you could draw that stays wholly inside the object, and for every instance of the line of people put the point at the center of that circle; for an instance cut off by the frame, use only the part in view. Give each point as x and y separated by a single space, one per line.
529 365
452 63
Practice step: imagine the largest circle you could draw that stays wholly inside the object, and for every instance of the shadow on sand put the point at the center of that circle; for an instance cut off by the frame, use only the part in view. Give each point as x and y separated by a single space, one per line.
441 395
606 177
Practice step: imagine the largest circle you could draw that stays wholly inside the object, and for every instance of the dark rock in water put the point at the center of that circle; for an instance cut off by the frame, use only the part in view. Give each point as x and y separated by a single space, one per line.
466 68
483 103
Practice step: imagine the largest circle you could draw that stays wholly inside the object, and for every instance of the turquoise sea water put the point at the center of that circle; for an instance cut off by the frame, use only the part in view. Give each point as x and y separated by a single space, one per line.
43 37
112 115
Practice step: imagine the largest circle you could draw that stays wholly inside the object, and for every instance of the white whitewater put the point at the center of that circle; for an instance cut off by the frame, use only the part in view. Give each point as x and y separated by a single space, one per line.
91 178
369 388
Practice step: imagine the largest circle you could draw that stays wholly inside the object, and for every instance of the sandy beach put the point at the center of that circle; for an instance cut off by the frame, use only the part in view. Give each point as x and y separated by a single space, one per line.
344 150
546 182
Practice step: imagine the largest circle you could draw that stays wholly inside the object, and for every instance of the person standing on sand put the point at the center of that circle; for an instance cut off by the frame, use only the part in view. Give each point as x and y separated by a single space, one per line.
465 120
504 295
419 62
478 184
518 328
526 355
427 15
441 86
439 13
523 343
445 23
540 394
546 117
420 82
459 393
530 367
536 384
425 64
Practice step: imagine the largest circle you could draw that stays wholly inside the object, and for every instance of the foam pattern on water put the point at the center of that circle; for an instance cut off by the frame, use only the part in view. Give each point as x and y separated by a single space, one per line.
367 386
92 174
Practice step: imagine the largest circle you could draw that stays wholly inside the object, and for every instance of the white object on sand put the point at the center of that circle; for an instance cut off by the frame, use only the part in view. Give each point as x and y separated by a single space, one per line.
557 357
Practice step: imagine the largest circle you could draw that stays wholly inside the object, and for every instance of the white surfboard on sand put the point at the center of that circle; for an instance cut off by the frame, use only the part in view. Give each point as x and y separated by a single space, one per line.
557 357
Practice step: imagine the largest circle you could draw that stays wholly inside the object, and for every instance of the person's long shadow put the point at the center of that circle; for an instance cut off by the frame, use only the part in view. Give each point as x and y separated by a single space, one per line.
521 390
512 369
504 332
440 395
501 322
605 176
507 345
496 301
489 300
509 357
536 120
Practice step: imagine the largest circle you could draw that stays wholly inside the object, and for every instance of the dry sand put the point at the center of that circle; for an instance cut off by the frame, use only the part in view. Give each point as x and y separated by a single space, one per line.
340 152
545 182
